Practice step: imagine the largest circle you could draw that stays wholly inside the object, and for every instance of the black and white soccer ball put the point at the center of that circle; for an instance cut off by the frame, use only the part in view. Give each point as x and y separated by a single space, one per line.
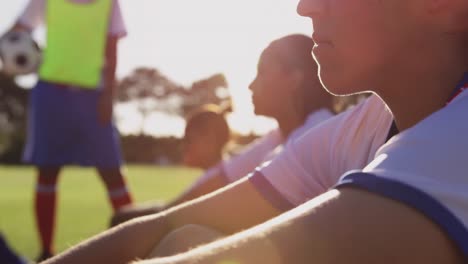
19 53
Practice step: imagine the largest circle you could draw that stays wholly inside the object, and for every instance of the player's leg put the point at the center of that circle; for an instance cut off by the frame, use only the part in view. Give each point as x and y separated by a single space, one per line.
45 200
51 134
183 239
100 147
117 190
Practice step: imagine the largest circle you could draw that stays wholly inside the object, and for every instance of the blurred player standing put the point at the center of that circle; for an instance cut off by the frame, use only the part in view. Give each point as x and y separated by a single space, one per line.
70 119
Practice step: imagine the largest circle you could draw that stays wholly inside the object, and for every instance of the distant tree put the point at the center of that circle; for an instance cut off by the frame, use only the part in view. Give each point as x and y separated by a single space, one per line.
149 90
13 115
212 90
166 149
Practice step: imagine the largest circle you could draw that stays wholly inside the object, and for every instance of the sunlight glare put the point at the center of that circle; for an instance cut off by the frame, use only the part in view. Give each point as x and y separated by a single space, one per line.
191 40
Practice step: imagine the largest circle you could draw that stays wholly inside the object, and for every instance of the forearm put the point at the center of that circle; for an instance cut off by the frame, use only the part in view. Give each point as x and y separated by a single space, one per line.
200 187
122 244
268 242
350 226
257 250
203 185
20 27
229 209
110 66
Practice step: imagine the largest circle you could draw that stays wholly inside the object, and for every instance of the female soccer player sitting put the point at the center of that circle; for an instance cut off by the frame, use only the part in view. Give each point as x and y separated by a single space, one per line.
285 89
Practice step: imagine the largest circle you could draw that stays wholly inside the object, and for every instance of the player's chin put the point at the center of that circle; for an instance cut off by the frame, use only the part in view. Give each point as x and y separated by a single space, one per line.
261 111
338 84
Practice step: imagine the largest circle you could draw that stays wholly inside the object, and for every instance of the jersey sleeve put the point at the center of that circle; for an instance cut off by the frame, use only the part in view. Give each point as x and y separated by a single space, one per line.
215 171
313 163
266 148
426 167
117 24
252 156
33 14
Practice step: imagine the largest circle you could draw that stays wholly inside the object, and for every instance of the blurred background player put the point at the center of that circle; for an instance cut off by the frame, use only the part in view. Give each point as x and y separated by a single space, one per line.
70 118
206 136
285 89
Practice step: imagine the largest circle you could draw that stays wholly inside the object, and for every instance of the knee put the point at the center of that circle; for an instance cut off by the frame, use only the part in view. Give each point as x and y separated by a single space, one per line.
183 239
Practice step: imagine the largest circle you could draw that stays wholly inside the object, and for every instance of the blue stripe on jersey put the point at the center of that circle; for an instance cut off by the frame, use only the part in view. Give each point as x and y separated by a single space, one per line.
415 198
269 192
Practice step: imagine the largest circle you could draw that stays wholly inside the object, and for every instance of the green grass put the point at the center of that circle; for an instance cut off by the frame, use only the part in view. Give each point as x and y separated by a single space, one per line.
83 209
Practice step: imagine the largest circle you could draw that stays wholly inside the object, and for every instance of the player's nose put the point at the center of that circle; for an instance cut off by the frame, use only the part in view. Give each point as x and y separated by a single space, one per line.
311 8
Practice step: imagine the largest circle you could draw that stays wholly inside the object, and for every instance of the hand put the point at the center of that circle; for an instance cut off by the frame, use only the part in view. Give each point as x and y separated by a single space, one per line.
105 107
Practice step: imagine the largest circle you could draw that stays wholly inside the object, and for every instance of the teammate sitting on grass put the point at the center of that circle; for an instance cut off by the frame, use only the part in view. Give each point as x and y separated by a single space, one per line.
285 89
206 136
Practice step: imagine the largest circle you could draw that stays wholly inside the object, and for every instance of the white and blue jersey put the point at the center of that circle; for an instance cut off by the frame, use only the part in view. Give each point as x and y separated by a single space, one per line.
425 166
260 151
311 164
266 148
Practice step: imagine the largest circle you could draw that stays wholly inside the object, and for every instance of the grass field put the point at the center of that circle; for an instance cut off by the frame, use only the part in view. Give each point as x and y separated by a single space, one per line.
83 209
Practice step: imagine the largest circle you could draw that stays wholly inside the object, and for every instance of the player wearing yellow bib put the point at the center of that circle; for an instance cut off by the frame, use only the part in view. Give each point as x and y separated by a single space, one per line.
71 105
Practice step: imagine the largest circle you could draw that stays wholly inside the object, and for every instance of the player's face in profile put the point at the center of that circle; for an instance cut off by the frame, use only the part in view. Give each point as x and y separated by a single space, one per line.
194 143
199 148
358 40
268 89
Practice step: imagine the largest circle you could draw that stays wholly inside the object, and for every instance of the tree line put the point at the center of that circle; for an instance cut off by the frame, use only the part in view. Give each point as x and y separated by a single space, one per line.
146 88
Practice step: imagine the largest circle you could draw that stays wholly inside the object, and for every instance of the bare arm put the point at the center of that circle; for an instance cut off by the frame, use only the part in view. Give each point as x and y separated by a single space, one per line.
347 226
20 27
201 187
106 100
228 210
111 64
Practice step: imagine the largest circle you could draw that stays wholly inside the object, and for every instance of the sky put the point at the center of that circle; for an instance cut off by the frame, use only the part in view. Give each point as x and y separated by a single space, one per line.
188 40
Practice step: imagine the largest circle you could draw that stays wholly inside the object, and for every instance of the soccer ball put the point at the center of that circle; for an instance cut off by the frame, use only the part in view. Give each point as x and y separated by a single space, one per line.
19 53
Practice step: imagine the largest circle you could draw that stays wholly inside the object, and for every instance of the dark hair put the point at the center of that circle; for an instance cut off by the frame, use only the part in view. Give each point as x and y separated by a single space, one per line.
210 117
